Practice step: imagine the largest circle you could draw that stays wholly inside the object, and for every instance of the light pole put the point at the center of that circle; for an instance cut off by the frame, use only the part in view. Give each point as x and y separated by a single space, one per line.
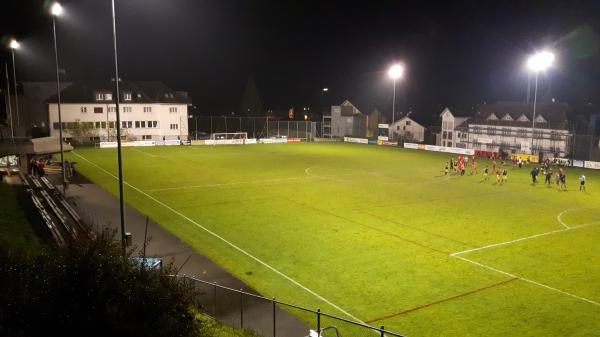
536 63
56 10
395 72
15 45
118 120
12 131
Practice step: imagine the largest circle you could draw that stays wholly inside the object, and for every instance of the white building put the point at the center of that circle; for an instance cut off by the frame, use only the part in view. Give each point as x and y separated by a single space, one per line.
453 130
508 126
344 120
407 129
149 111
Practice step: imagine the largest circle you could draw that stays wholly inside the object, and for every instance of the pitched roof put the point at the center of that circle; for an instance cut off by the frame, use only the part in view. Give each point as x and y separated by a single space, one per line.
141 92
554 113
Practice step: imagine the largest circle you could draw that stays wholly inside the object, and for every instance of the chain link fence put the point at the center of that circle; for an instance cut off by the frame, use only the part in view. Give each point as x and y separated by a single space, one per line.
256 127
262 315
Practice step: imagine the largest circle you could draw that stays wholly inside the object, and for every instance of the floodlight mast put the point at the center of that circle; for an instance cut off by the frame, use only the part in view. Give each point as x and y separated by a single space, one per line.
118 122
395 72
14 44
56 10
536 63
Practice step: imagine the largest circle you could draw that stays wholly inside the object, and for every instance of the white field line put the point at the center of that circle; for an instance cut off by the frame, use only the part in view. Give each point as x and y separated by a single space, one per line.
228 242
274 180
524 238
143 152
529 281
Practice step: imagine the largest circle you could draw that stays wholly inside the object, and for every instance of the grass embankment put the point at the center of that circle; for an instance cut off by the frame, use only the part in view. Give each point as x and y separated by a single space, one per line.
15 228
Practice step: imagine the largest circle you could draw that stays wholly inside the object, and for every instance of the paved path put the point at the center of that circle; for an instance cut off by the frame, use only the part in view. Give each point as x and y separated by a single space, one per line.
96 204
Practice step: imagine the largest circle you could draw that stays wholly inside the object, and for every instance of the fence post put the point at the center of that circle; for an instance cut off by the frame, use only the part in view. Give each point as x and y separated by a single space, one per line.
211 130
277 128
215 300
241 308
382 331
274 319
240 125
297 135
318 322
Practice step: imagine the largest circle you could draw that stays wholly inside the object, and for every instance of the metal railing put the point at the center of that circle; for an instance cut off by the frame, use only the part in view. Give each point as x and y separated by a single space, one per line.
264 315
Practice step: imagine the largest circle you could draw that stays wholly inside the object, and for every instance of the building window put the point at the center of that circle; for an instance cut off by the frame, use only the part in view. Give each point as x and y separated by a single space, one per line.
146 137
143 124
112 109
98 110
173 126
137 124
126 109
506 132
103 125
398 128
449 144
450 136
173 109
127 96
99 96
111 125
108 97
147 109
83 109
55 126
444 135
407 122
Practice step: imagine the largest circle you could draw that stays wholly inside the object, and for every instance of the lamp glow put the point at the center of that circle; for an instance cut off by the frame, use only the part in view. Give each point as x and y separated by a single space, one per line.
396 71
56 9
540 61
14 44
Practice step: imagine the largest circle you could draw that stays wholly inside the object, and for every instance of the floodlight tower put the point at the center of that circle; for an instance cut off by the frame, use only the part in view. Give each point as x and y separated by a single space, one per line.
56 10
536 63
396 71
15 45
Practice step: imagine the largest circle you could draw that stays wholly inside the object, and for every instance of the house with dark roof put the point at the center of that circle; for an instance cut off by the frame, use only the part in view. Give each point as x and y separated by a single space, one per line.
512 127
149 110
452 133
408 129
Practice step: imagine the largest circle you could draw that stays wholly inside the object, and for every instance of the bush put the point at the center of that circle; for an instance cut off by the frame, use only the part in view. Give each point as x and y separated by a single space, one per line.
89 289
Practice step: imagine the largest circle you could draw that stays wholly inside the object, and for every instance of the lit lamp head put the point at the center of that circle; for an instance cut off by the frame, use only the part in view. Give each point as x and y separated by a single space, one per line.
56 9
14 44
540 61
396 71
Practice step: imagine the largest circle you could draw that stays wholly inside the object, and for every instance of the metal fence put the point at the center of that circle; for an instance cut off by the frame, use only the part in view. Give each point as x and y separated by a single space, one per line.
264 315
256 127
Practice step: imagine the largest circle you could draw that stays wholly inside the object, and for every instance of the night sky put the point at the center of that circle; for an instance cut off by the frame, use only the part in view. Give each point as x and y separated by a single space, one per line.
457 53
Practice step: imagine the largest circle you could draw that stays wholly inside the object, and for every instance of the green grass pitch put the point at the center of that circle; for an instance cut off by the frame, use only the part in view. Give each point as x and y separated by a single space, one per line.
379 233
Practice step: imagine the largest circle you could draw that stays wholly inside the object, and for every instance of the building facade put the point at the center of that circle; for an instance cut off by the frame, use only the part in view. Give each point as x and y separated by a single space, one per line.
509 127
344 120
148 111
407 129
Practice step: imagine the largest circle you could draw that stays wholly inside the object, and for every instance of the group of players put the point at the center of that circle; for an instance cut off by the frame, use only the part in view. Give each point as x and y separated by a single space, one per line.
459 164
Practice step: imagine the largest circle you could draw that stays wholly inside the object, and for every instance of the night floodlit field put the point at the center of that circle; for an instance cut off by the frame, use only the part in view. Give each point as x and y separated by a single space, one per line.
379 233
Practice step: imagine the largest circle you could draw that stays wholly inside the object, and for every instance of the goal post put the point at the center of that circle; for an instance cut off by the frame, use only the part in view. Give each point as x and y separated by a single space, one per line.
229 138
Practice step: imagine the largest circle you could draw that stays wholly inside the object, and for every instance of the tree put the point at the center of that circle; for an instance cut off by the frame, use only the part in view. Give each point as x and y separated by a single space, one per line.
251 103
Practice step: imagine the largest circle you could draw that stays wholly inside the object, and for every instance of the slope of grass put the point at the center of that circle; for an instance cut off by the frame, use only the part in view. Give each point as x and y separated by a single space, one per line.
372 231
15 229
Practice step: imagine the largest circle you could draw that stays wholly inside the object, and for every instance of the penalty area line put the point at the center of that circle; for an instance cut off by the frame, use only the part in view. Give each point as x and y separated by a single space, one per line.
528 280
227 242
524 238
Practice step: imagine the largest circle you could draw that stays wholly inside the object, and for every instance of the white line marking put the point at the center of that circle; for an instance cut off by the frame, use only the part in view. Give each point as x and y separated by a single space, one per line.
146 153
228 242
529 281
525 238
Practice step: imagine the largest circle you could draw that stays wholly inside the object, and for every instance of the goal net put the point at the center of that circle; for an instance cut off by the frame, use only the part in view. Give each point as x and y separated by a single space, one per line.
229 137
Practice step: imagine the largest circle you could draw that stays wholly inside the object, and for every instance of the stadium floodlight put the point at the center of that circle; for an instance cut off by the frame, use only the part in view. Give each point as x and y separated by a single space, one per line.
325 89
56 9
396 71
14 44
538 62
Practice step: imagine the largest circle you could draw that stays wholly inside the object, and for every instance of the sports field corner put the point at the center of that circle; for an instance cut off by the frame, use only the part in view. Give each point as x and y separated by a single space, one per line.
377 234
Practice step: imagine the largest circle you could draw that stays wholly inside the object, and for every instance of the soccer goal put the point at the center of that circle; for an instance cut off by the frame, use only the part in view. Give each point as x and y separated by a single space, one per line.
229 138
